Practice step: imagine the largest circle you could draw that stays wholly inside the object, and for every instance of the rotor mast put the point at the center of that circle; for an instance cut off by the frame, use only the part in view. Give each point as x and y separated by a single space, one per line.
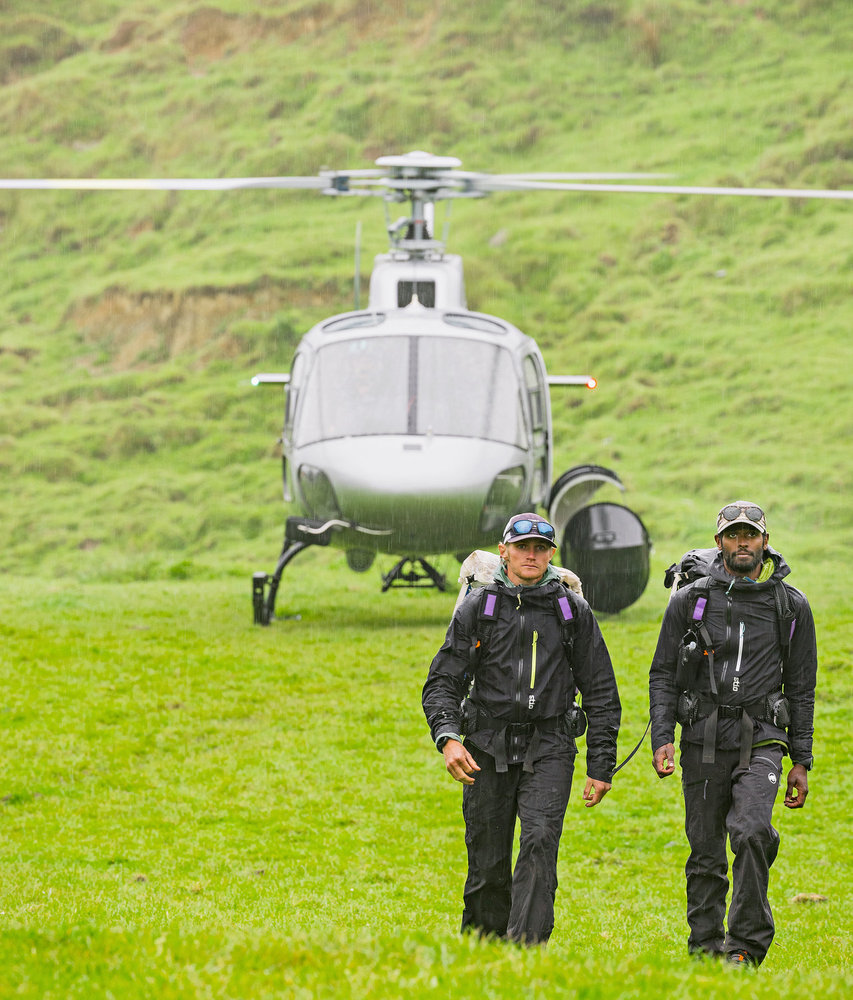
421 179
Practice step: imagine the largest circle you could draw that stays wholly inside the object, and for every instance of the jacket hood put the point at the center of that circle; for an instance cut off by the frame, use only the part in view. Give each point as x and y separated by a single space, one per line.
721 575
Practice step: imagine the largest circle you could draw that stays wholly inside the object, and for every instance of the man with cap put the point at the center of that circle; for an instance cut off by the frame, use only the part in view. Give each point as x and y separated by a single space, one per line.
500 703
735 665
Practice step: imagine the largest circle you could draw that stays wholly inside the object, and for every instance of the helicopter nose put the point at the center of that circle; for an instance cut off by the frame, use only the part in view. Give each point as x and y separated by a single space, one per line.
430 492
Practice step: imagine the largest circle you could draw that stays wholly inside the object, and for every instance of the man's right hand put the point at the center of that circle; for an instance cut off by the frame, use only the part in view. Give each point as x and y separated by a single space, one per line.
460 764
664 760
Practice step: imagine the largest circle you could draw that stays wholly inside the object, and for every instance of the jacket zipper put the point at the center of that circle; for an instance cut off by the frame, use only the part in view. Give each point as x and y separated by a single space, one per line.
728 633
736 678
531 700
520 673
740 647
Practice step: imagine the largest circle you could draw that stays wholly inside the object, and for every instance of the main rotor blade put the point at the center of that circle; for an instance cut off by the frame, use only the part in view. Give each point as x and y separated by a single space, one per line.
336 182
498 184
595 175
161 184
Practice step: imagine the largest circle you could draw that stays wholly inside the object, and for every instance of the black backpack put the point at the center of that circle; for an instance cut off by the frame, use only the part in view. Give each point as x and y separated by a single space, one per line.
694 566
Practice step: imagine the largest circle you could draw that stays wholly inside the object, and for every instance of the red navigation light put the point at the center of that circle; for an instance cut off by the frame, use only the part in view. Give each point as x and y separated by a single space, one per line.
591 382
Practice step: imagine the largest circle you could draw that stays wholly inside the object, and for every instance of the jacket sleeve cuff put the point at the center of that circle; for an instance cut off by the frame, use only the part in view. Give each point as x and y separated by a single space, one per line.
443 737
661 738
600 774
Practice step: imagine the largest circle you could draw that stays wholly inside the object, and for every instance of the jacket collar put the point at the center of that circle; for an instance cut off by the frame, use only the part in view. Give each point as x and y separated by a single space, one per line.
780 570
549 575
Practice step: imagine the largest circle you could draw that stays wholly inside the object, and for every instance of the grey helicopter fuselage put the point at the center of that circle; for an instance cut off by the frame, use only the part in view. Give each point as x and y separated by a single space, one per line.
414 428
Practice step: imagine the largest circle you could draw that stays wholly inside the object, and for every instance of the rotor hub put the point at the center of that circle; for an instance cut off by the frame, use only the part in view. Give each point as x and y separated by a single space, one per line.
415 163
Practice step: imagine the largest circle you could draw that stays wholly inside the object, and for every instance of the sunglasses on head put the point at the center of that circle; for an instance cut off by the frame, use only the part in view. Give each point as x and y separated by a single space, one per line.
525 526
755 514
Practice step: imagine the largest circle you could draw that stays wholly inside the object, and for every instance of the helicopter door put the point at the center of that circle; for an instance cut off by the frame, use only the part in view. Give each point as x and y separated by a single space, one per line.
291 398
534 381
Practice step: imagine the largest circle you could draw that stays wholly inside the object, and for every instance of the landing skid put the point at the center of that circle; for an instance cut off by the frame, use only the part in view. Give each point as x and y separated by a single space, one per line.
400 576
412 571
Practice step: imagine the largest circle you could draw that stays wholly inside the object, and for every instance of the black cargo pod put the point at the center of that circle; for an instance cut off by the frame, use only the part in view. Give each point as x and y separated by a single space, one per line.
608 547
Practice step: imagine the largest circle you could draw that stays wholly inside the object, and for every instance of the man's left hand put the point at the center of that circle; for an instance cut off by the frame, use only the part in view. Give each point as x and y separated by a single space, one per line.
595 791
798 787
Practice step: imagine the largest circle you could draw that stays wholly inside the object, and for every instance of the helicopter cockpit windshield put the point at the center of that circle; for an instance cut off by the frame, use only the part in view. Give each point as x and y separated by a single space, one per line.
414 385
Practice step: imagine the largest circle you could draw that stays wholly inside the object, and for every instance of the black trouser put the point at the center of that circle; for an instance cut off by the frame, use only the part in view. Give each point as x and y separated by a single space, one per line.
518 905
725 799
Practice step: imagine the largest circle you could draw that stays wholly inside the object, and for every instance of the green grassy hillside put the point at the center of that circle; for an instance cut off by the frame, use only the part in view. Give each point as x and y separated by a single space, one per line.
194 807
130 322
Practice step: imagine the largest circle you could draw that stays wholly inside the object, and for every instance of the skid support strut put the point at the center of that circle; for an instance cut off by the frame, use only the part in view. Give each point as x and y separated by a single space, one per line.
401 576
265 586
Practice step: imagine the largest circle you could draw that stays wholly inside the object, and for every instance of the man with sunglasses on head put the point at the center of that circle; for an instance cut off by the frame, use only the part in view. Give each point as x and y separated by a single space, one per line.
735 666
500 703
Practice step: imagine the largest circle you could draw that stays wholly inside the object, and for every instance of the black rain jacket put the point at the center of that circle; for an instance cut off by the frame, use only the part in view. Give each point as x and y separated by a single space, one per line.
743 625
506 687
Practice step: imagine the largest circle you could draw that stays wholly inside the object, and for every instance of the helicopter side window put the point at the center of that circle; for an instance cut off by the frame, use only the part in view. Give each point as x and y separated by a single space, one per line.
292 390
467 388
535 393
534 379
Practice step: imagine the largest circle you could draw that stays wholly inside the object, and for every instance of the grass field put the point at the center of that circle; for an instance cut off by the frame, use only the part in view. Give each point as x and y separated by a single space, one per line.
193 807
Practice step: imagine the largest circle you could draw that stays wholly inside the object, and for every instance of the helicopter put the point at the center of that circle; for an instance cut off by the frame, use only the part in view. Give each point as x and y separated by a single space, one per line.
415 427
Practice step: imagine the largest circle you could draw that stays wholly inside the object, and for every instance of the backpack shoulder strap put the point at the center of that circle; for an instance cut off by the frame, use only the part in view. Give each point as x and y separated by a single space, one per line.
697 603
565 614
487 614
786 619
698 599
